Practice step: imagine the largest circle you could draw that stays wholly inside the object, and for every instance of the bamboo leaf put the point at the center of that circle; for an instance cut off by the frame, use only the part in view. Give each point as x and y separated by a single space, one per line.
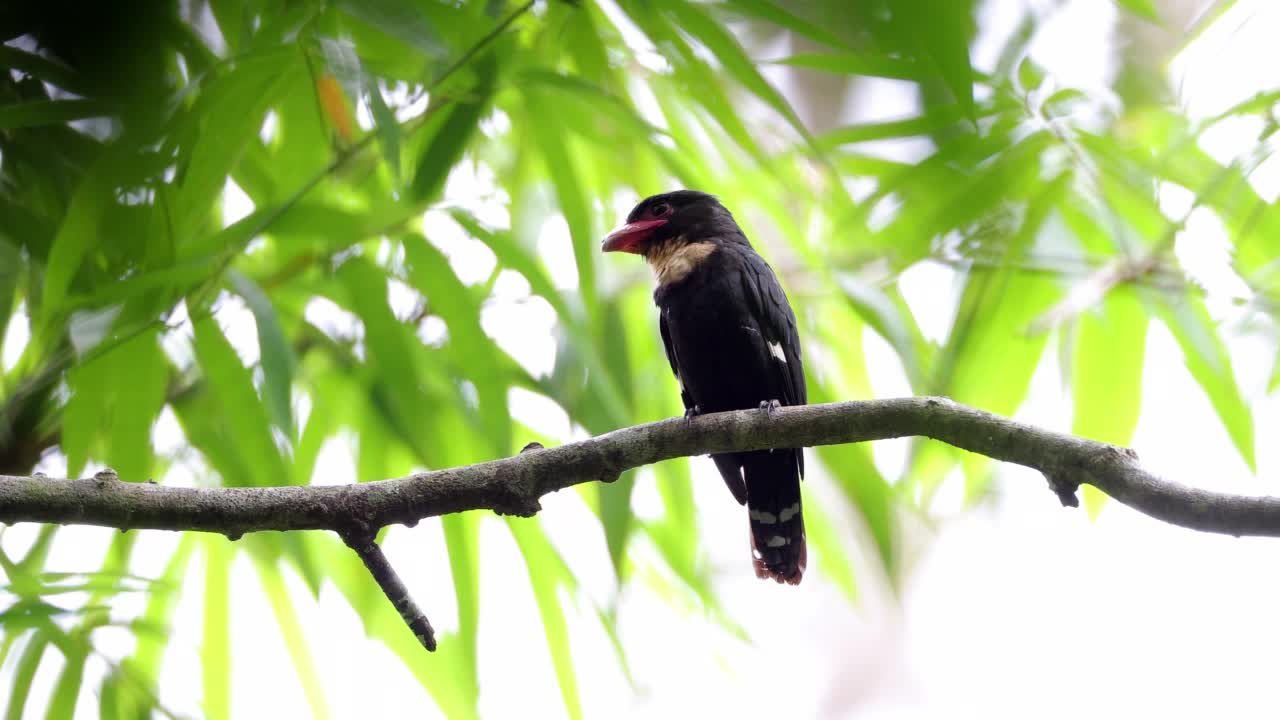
475 355
66 691
1206 357
570 193
406 21
549 576
48 70
225 119
777 14
24 672
388 127
1144 9
462 537
848 63
243 424
295 640
691 18
10 273
77 232
274 350
1106 373
939 31
41 113
446 145
215 649
833 559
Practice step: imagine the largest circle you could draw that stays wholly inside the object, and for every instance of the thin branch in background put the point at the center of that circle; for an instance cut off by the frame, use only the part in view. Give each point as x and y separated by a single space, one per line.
366 546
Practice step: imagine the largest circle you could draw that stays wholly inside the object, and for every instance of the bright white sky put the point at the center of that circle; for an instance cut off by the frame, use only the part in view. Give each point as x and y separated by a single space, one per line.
1017 609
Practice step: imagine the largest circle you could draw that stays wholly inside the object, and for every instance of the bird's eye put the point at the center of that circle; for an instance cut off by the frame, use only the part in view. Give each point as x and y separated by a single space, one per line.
660 209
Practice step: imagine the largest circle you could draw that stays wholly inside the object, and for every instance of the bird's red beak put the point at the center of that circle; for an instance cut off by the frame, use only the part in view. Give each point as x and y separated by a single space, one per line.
630 237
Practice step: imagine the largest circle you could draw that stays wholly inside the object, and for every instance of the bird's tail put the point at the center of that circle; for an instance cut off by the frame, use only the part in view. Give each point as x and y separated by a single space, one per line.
777 525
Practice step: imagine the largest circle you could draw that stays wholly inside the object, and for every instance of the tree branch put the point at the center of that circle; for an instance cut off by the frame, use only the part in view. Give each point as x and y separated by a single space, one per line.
366 546
514 485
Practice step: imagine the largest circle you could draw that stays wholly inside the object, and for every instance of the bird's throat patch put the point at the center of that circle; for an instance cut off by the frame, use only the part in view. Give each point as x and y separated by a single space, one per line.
674 260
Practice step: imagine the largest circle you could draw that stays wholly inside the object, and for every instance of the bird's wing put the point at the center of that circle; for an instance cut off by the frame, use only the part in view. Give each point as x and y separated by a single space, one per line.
776 323
671 357
727 464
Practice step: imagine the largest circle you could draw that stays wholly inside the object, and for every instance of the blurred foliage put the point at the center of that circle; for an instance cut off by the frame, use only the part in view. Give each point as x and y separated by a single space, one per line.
341 125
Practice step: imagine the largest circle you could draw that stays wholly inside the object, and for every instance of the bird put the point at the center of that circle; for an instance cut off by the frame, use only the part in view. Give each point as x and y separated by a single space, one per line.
731 338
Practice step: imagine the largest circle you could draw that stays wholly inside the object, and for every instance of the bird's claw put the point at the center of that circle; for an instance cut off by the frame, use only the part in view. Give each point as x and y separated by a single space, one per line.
691 413
769 407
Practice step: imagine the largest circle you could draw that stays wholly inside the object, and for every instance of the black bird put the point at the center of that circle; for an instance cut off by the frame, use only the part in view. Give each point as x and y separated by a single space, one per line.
731 338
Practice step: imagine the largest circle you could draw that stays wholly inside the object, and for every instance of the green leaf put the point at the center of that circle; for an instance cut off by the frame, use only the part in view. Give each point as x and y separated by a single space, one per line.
401 19
987 324
1206 357
151 628
830 542
934 120
570 192
849 63
889 315
23 673
1063 102
274 350
778 15
691 18
215 649
1106 374
939 30
398 368
388 127
10 273
234 20
445 147
1030 75
691 71
617 517
548 575
77 233
460 696
475 355
66 691
1145 9
295 640
604 387
41 113
115 399
242 419
870 494
224 120
49 70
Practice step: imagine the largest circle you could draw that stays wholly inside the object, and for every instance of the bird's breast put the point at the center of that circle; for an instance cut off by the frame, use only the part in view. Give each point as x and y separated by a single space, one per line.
716 341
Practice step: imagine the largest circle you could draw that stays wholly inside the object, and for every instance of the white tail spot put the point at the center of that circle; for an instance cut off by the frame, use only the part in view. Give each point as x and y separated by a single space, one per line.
775 349
764 517
788 513
776 541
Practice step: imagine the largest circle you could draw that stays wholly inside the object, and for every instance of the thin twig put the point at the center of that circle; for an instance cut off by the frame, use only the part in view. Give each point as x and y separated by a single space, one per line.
376 561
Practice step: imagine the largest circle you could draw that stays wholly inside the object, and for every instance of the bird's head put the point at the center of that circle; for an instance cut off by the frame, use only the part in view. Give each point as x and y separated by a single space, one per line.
674 232
680 217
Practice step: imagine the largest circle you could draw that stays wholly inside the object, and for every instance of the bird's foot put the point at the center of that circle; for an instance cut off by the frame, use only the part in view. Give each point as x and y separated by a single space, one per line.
769 407
691 413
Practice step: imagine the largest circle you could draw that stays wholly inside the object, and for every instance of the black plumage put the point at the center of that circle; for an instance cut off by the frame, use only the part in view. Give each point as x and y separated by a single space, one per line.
731 337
